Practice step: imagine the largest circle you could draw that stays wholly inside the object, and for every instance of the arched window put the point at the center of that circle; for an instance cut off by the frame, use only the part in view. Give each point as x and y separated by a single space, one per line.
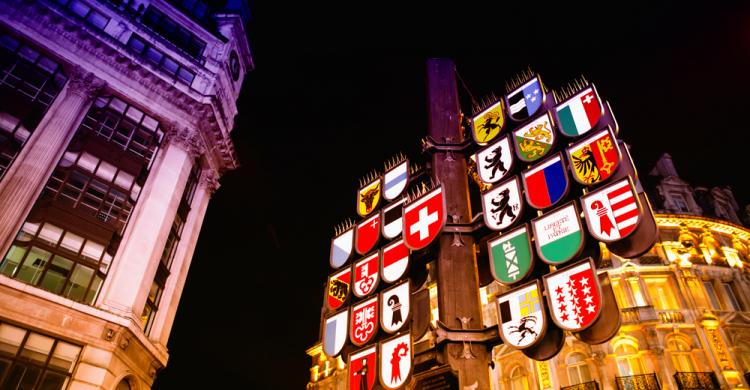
679 351
628 362
518 379
578 369
123 385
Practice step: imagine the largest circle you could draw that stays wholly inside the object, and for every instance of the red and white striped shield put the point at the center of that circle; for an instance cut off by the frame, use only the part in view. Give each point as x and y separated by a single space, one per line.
612 212
394 262
424 218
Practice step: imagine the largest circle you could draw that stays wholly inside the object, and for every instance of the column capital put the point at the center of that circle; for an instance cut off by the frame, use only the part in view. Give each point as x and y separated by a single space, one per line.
84 84
185 138
210 180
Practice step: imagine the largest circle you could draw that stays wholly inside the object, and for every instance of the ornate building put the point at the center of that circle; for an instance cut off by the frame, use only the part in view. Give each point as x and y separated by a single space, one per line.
114 131
685 306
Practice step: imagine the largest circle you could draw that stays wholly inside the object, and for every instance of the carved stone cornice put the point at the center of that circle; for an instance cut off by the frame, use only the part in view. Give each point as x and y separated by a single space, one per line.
186 139
84 84
209 180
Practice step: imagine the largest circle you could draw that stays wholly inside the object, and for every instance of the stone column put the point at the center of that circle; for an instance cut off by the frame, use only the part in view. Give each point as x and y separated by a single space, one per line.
164 319
27 175
127 285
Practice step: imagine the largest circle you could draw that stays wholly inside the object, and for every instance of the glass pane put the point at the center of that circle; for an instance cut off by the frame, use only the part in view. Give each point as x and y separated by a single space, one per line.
186 76
22 377
573 376
11 338
72 242
124 179
732 299
712 295
93 291
79 8
37 347
15 254
136 44
65 356
79 282
106 171
134 114
4 364
98 20
32 267
53 381
154 55
585 373
92 250
88 162
50 233
57 273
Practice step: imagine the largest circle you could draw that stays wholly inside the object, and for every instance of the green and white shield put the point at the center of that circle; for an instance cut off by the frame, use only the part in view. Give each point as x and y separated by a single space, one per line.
558 234
511 257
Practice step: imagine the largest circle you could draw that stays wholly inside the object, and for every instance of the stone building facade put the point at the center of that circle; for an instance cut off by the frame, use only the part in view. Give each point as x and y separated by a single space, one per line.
115 121
685 306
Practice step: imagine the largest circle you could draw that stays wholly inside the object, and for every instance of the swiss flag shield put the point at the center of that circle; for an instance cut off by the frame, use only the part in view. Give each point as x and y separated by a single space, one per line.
424 218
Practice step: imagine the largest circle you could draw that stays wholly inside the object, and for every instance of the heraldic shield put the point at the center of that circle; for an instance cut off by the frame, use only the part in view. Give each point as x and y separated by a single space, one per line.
338 288
546 183
367 235
395 361
525 101
511 256
535 139
424 218
521 316
558 235
363 321
579 114
341 248
395 307
394 260
502 205
392 219
363 368
495 161
594 159
487 124
612 212
574 295
366 275
334 336
368 198
395 180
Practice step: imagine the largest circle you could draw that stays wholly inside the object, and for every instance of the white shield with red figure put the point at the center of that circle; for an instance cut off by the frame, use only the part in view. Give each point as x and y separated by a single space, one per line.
395 361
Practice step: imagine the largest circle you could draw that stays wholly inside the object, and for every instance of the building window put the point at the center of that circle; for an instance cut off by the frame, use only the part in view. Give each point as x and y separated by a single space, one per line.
578 369
635 288
662 293
174 33
518 379
86 12
679 202
743 350
29 83
33 361
156 57
628 361
175 233
712 297
679 351
731 299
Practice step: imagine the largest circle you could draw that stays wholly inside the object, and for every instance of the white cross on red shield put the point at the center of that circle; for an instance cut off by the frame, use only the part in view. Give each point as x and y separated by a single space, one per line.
424 218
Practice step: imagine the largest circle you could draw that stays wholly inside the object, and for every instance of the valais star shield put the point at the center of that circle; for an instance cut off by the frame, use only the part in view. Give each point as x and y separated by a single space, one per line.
367 234
594 159
535 139
546 183
392 219
558 235
366 275
395 180
526 100
335 333
338 288
341 248
502 205
424 218
574 295
395 361
495 161
395 307
394 260
613 212
511 256
521 317
368 198
364 321
487 124
363 368
580 113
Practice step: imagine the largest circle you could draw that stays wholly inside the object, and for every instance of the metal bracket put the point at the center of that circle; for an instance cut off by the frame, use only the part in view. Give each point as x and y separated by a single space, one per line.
488 336
429 144
475 224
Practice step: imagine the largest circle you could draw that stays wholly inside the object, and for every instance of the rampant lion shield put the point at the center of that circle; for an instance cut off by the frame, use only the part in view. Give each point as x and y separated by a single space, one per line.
535 139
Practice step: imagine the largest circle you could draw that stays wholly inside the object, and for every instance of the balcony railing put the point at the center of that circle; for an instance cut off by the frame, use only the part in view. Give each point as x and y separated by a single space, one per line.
671 316
696 380
638 382
631 315
593 385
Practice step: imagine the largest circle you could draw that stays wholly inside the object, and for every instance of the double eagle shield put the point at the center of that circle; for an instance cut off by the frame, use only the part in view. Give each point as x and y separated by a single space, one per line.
594 159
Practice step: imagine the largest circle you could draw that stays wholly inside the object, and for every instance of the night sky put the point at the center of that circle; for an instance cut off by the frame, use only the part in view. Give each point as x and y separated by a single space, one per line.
338 89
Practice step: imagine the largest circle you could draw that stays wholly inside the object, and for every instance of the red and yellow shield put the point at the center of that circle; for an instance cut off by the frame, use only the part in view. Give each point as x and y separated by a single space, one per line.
594 159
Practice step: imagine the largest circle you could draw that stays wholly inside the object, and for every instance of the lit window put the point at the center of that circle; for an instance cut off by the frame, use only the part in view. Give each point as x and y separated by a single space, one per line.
578 369
731 298
679 351
662 294
679 202
712 295
518 379
628 361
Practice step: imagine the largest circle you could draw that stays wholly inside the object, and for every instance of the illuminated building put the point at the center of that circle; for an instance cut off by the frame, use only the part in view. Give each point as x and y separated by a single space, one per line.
114 130
685 306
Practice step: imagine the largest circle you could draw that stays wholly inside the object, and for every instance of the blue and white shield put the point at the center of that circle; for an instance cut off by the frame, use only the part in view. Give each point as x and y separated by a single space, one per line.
341 248
335 333
526 100
395 180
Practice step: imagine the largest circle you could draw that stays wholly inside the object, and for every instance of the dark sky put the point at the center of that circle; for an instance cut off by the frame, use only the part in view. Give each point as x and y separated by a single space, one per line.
340 88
